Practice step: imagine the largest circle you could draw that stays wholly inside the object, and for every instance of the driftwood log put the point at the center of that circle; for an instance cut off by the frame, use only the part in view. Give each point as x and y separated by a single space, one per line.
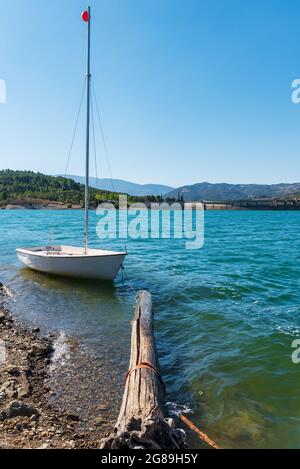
142 421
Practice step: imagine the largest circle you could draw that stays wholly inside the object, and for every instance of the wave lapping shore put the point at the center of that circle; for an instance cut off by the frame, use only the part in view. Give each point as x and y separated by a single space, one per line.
28 419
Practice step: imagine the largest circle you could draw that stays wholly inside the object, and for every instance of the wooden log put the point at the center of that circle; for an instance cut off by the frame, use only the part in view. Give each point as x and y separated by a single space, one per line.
142 421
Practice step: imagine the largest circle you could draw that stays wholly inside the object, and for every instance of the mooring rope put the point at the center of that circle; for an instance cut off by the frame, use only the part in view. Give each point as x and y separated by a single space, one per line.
201 434
125 277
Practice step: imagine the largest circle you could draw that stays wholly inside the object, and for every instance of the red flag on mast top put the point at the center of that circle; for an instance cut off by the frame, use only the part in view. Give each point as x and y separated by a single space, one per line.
85 16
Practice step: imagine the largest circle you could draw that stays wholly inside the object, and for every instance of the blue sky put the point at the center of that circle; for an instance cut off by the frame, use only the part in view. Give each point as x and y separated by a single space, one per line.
190 90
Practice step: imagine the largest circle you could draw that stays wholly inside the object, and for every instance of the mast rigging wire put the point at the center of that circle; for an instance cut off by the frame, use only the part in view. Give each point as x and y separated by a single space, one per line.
103 138
75 128
94 143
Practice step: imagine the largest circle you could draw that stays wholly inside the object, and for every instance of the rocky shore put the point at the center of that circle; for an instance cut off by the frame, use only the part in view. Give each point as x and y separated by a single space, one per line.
36 204
28 417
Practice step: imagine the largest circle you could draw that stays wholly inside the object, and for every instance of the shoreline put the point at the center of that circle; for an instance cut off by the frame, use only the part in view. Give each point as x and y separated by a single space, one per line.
244 205
28 417
211 209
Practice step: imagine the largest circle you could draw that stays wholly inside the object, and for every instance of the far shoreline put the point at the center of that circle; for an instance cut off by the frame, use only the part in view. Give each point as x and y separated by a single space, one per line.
247 205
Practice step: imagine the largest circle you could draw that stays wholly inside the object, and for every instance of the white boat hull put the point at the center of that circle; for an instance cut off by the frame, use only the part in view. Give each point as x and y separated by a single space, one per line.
71 261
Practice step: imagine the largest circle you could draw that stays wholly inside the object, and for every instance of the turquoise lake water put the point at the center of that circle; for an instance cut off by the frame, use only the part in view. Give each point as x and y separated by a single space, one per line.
225 315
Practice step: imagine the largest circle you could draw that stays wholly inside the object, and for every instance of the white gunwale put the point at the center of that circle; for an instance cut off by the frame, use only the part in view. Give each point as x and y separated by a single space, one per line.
62 251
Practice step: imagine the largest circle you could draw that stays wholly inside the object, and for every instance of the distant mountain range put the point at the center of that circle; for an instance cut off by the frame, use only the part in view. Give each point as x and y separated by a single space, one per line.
119 185
195 192
228 192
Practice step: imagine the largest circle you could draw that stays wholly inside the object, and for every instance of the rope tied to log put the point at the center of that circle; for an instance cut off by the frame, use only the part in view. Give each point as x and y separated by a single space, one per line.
142 422
146 366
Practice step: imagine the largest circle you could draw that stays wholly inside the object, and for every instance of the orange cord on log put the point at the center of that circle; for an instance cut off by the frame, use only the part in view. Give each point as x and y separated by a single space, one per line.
148 366
201 434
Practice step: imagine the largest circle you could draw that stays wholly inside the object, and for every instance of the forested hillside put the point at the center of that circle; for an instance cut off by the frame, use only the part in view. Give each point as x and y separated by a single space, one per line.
24 185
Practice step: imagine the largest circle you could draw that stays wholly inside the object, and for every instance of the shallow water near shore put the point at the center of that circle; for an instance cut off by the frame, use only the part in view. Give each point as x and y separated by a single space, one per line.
225 319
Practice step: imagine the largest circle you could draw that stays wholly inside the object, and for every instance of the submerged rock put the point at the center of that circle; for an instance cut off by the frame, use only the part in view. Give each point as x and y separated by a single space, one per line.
12 370
24 388
40 349
9 389
98 421
18 408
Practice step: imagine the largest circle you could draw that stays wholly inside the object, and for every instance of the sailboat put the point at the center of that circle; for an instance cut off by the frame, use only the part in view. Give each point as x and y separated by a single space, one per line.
72 261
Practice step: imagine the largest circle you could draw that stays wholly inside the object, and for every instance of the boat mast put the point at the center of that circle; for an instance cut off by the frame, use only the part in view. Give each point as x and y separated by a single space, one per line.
88 77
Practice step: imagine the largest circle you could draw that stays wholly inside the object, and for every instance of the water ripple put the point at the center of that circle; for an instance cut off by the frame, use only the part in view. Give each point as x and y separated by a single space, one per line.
226 315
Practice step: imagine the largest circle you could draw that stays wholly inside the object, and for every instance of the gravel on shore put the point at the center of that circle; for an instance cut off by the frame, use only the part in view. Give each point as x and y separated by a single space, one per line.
28 418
